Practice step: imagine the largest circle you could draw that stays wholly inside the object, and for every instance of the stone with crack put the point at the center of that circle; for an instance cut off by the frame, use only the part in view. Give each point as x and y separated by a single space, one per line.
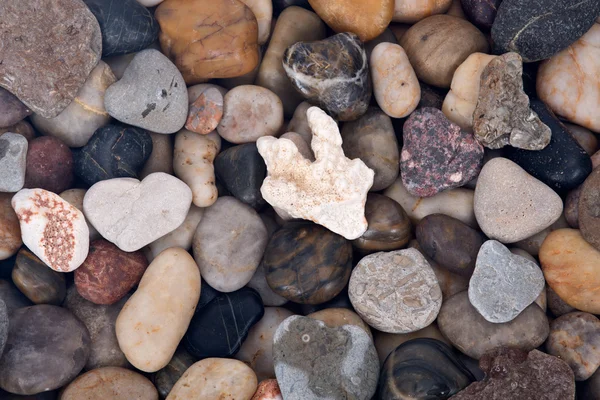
502 115
330 191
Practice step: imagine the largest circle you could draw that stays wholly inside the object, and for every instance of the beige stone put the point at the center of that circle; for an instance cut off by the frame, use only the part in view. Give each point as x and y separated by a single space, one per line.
215 379
263 11
161 158
331 191
112 383
180 237
411 11
155 318
10 232
75 197
335 317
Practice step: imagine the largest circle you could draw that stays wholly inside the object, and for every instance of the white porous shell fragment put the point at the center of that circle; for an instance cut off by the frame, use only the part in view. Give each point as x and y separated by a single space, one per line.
330 191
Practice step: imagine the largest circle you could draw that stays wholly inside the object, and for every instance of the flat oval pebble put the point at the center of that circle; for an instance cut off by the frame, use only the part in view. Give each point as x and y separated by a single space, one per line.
33 360
49 165
588 218
110 383
10 231
395 291
155 318
35 280
215 379
166 378
470 333
13 162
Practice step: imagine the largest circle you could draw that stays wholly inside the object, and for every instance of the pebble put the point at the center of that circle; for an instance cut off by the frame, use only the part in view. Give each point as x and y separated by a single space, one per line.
229 243
437 155
411 11
395 292
568 82
100 322
52 229
76 124
448 42
165 379
268 390
563 164
110 383
431 96
557 305
180 237
242 170
503 284
215 378
459 104
281 5
307 263
205 111
10 231
193 159
108 273
263 11
12 297
386 343
517 374
75 198
313 361
510 204
387 36
590 389
151 94
299 124
49 165
332 73
260 284
132 214
395 83
456 203
331 191
3 326
35 280
34 360
481 13
584 137
113 151
470 333
13 161
294 25
588 218
23 128
336 317
188 37
537 30
219 327
571 266
572 207
389 227
147 329
46 48
449 242
420 369
257 349
161 157
126 25
371 138
13 110
250 112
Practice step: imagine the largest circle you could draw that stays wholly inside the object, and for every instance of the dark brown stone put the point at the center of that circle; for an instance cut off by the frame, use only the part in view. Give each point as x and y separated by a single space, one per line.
517 374
589 209
389 226
449 242
47 51
49 165
22 128
13 110
431 96
108 273
481 13
37 281
572 207
307 263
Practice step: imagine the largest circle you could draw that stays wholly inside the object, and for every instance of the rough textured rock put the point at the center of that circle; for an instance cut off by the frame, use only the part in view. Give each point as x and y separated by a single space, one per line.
503 284
217 39
52 229
165 379
516 374
588 216
151 94
49 165
313 361
502 115
13 161
437 154
332 73
13 110
110 383
205 112
539 29
114 151
35 359
395 292
57 49
331 191
132 214
10 231
35 280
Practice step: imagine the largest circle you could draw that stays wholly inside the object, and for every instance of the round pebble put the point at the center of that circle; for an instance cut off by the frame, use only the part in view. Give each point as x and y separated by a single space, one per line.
35 280
49 165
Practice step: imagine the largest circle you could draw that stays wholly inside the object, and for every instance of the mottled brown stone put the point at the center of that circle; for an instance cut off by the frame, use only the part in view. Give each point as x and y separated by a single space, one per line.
49 165
22 128
35 280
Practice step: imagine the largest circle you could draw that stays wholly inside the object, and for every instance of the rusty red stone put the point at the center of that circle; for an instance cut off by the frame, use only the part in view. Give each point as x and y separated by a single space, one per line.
205 112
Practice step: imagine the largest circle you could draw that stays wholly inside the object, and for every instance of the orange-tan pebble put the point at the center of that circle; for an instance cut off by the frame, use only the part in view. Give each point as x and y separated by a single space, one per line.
411 11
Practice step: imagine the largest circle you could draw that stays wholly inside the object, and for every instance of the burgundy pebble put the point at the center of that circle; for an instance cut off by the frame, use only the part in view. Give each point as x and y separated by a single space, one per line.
49 165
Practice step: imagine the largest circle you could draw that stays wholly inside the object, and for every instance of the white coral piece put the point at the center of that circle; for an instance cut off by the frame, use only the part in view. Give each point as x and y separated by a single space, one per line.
331 191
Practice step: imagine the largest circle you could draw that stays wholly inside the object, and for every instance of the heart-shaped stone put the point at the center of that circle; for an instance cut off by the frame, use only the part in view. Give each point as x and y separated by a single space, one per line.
503 284
511 205
132 214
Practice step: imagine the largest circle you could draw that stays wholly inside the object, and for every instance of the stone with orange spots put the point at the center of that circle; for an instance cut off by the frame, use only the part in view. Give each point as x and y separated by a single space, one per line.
110 383
52 228
268 390
205 112
10 232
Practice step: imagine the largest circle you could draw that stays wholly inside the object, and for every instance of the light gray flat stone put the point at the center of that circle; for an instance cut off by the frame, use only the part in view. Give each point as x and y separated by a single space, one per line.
13 155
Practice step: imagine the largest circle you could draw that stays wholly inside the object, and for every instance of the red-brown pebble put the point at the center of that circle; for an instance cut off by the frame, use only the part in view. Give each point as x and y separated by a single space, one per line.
205 112
49 165
268 390
108 273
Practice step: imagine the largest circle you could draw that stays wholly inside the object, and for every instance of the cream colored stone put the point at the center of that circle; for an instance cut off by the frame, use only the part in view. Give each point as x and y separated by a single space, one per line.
457 203
161 158
411 11
75 197
263 11
461 100
155 318
331 191
569 82
110 383
336 317
395 83
193 159
215 379
180 237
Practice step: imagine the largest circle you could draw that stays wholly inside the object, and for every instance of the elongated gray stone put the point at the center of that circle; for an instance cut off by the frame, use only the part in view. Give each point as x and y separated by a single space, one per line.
13 157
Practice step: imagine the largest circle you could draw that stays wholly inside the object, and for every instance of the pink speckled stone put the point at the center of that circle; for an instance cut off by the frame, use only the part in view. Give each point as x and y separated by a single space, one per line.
268 390
437 154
